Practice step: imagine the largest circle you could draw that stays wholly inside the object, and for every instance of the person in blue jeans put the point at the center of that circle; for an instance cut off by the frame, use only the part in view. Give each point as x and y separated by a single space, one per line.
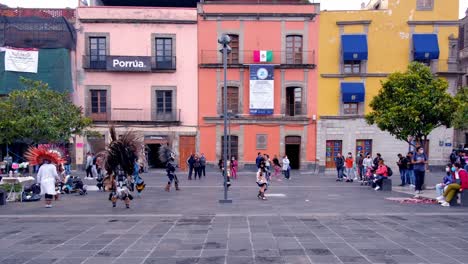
339 163
402 166
410 170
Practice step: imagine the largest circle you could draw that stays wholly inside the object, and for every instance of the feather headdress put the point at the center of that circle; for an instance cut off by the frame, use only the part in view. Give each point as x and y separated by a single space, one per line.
37 155
165 152
123 151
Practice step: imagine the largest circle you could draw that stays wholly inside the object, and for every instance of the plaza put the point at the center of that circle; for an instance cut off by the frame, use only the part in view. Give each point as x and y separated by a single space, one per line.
308 219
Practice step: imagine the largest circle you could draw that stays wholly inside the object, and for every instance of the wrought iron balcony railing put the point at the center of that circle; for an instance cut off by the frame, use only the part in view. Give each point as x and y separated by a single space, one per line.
242 57
138 115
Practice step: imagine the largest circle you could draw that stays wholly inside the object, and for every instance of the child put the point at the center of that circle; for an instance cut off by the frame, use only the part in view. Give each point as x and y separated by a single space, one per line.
262 183
448 179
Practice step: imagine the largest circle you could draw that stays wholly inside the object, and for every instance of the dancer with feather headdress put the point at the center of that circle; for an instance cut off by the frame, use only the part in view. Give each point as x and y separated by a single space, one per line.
166 155
119 159
47 176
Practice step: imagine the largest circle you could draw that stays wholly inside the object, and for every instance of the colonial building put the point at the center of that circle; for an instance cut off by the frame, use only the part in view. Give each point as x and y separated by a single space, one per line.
136 69
358 50
461 138
271 79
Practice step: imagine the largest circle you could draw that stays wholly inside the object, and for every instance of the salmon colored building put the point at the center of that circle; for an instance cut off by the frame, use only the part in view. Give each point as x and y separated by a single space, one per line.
276 116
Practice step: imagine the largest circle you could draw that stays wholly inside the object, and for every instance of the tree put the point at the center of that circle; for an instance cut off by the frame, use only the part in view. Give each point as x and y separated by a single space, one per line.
412 104
39 115
460 120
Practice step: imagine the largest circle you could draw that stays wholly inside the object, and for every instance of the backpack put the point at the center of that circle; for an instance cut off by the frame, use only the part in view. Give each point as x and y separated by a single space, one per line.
389 171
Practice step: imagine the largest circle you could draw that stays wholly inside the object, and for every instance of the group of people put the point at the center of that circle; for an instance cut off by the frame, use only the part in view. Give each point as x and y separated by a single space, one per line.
455 180
374 170
197 166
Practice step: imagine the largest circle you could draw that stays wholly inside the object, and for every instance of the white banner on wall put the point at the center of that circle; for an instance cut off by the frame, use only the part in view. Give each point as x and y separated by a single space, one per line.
21 60
262 98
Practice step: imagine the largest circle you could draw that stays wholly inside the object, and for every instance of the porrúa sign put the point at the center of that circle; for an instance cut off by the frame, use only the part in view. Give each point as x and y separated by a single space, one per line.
129 63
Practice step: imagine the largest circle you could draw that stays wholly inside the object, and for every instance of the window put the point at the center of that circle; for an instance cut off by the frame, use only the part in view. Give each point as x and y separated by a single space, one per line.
232 100
164 58
333 147
98 104
294 49
233 56
293 101
364 146
350 108
164 101
97 52
234 146
351 67
262 140
425 4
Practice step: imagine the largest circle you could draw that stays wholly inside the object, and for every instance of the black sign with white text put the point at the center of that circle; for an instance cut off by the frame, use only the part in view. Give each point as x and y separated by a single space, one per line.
129 63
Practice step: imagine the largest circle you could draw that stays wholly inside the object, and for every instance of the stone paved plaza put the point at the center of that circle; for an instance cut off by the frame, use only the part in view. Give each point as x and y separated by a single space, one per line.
309 219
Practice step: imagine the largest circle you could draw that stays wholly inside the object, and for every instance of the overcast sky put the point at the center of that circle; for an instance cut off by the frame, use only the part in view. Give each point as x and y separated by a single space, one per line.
325 4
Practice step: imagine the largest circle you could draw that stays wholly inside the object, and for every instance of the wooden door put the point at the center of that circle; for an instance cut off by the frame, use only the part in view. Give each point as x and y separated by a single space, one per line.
186 148
333 147
364 146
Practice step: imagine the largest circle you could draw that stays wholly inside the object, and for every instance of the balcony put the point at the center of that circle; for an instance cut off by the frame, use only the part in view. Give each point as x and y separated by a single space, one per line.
152 64
446 67
283 59
137 115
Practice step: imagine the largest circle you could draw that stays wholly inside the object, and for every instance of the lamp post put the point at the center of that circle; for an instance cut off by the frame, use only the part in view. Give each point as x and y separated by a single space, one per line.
224 40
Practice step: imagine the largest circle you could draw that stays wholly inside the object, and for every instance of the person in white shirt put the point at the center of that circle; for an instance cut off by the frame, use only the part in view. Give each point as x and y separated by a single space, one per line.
286 167
47 177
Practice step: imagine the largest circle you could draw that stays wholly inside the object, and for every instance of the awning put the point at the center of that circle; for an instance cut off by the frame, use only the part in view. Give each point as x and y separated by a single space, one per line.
352 92
354 47
425 47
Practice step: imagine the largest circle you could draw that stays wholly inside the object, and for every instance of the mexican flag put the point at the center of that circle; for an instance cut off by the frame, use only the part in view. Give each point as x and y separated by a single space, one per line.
263 55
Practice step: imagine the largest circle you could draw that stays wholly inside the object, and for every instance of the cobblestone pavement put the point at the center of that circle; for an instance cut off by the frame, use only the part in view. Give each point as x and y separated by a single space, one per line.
309 219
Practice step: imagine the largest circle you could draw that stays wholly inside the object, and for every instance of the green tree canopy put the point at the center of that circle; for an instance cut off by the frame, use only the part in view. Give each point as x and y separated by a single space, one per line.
460 120
38 115
412 103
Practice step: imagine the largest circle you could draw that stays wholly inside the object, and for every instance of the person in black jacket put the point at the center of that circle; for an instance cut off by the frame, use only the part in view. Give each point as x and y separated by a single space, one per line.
190 162
339 163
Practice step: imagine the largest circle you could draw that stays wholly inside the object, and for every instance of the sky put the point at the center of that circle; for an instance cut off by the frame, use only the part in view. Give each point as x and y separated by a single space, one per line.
325 4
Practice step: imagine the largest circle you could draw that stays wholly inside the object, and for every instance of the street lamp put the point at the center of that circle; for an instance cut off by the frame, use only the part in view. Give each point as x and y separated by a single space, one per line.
224 40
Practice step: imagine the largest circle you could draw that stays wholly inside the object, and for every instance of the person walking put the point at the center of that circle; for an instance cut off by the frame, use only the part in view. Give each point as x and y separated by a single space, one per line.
89 166
349 167
46 178
203 164
419 161
286 167
268 167
339 164
402 167
276 166
262 183
234 165
190 162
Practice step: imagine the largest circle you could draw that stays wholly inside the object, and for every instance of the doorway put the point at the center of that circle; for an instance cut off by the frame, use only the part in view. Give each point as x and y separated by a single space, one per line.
333 147
186 148
293 151
153 156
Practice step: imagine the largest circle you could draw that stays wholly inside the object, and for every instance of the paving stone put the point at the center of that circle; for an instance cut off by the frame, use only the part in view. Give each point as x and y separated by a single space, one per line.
296 260
71 261
133 260
239 260
269 260
212 260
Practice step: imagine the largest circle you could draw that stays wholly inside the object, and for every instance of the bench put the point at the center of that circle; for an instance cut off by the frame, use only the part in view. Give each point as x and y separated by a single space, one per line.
387 185
463 199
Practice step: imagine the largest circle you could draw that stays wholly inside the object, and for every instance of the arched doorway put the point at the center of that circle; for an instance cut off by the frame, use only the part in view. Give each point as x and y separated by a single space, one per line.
293 151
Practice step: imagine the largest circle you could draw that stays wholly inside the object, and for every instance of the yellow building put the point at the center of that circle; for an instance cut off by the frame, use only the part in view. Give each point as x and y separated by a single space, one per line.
359 49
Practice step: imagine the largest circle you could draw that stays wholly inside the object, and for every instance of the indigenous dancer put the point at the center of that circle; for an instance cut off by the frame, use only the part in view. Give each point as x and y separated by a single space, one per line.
119 162
139 183
47 176
168 156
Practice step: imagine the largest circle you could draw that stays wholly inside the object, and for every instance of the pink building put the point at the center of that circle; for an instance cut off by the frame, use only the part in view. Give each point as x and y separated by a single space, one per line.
136 68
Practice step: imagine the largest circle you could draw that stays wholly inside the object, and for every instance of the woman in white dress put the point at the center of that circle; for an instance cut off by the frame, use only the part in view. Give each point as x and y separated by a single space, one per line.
47 177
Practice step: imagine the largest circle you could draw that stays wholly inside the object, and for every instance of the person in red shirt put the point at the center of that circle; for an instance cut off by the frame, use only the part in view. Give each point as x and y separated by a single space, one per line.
349 169
381 174
460 184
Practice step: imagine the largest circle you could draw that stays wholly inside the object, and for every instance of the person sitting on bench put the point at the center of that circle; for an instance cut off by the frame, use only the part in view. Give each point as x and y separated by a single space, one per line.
381 174
460 184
